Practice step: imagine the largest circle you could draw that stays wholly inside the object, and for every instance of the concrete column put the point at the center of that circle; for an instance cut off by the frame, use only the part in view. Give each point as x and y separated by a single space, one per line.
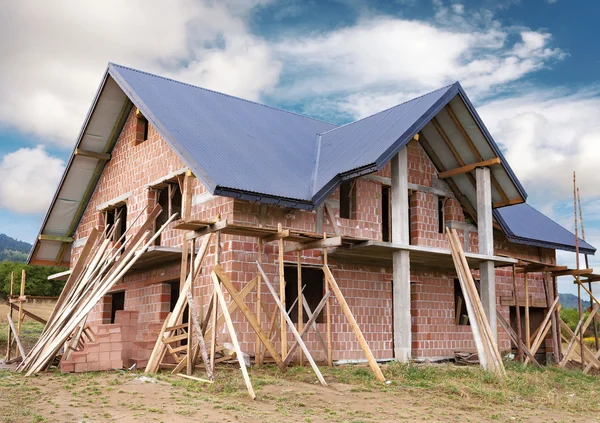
401 259
485 231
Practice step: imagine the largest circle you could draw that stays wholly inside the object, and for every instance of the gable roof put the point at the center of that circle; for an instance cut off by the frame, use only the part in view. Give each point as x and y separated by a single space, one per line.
523 224
250 151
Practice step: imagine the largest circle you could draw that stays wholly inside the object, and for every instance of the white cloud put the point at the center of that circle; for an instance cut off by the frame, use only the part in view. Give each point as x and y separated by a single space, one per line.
376 62
54 53
28 178
546 135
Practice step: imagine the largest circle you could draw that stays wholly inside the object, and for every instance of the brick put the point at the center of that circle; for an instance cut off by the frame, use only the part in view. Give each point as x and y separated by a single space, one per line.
104 356
78 356
81 367
115 355
67 367
104 347
116 364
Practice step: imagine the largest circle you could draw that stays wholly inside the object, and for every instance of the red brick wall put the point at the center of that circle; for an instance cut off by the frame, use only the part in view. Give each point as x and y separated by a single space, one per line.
367 288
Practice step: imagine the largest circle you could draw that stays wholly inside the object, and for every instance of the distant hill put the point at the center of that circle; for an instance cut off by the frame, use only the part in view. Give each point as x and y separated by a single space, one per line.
570 301
12 249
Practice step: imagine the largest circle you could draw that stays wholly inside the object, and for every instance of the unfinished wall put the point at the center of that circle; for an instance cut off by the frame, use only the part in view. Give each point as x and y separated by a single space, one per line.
367 288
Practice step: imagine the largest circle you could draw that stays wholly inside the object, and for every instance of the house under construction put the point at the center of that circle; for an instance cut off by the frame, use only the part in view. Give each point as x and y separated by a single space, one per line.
372 199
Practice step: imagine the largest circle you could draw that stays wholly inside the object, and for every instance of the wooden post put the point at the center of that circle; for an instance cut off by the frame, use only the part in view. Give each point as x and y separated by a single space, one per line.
587 266
327 312
352 321
518 312
557 313
190 356
232 334
215 308
257 342
401 259
300 306
186 209
283 325
577 278
527 321
555 329
485 230
21 301
9 337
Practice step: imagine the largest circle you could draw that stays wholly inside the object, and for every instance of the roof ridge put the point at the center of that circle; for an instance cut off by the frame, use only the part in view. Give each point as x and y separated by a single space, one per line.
220 93
388 109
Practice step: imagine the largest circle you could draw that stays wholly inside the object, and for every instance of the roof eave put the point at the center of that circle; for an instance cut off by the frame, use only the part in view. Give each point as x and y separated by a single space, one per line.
68 166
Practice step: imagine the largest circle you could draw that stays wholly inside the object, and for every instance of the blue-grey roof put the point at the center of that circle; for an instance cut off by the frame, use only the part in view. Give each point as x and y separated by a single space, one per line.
525 225
243 149
229 143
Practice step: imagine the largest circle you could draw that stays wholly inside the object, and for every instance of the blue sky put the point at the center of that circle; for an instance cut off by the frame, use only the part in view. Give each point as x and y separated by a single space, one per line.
530 67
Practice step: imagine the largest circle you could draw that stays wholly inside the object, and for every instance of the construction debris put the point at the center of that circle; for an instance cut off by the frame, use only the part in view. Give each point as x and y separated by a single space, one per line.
102 264
487 348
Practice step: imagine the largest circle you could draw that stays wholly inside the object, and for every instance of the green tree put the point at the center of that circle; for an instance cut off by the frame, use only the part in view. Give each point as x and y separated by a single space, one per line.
36 282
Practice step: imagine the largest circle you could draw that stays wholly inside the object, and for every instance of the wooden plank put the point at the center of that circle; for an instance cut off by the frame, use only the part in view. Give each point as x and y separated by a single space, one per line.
16 336
281 234
579 330
327 313
309 313
241 295
518 341
222 276
179 306
292 328
320 243
468 168
309 324
542 333
257 342
190 301
186 197
56 238
232 334
300 309
573 272
479 324
213 227
93 154
21 315
352 321
199 337
527 320
9 340
197 379
283 328
476 152
332 218
515 339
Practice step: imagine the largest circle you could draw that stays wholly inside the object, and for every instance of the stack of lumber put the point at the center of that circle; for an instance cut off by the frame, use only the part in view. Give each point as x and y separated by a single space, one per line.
101 264
487 348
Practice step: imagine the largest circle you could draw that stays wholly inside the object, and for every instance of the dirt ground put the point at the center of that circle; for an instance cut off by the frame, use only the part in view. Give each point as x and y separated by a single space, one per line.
437 393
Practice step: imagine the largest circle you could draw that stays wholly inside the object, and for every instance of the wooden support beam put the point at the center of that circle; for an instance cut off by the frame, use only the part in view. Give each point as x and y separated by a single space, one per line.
537 268
462 199
281 234
186 196
515 338
310 323
292 327
542 332
309 313
57 238
283 328
476 153
222 276
257 343
469 168
573 272
320 243
300 316
16 336
332 219
93 154
213 227
328 313
232 334
352 321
